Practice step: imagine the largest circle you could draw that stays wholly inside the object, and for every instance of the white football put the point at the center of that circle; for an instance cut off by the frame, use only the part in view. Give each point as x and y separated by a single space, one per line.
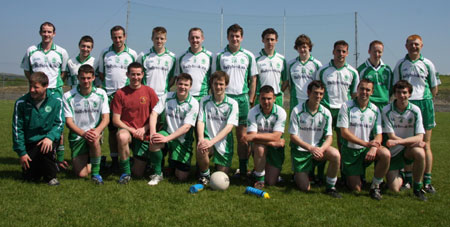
219 181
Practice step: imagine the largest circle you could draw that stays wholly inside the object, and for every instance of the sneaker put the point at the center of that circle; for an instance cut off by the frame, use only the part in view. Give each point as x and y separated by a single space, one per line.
124 179
204 180
429 189
97 179
53 182
259 184
375 193
405 186
155 179
420 195
333 193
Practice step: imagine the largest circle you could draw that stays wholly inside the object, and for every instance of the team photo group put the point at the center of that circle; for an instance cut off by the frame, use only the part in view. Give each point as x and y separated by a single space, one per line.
157 105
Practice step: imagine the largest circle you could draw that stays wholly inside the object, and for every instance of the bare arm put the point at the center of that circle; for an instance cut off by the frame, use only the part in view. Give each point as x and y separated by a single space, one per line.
263 137
101 76
395 140
119 124
434 91
73 127
285 85
27 74
347 135
252 93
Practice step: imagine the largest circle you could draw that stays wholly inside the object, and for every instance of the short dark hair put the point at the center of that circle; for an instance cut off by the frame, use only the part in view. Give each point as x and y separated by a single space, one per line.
184 76
340 42
315 84
303 39
135 65
235 28
158 29
117 28
217 75
40 78
266 89
87 39
47 24
401 84
366 80
375 42
86 69
269 31
194 29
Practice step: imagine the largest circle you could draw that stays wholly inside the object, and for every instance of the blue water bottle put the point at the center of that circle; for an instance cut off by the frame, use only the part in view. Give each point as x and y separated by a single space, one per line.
257 192
196 188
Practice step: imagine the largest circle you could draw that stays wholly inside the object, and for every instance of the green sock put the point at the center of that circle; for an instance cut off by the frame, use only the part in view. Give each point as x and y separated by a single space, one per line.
125 166
243 166
60 153
408 177
205 173
417 186
95 165
427 178
155 159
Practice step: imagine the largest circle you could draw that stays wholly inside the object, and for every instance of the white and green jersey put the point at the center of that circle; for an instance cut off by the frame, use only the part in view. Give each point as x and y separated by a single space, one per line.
364 124
114 66
216 116
197 65
310 128
339 84
177 113
421 73
300 75
259 122
403 124
271 71
381 76
52 63
158 69
85 111
74 64
239 66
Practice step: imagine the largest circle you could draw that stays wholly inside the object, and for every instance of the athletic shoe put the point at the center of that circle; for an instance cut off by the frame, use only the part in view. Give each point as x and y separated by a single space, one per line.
405 186
155 179
204 180
375 193
97 179
53 182
420 195
259 184
333 193
124 178
429 189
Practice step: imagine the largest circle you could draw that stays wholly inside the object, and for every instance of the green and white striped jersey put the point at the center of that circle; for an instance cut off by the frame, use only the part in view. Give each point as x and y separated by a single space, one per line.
52 63
239 66
158 69
310 128
381 76
177 113
271 71
300 75
114 67
74 64
85 111
339 84
199 67
364 124
259 122
403 124
420 73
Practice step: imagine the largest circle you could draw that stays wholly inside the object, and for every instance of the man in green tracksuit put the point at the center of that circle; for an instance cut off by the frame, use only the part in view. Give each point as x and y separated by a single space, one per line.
37 125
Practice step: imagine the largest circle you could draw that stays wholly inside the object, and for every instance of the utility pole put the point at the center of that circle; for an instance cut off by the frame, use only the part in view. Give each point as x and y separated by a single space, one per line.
356 40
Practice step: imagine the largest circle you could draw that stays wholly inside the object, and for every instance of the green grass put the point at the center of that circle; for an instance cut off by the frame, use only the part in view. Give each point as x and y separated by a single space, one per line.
79 202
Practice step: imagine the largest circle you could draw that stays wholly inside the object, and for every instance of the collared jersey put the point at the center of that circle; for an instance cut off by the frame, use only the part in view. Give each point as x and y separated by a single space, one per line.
259 122
271 71
421 73
114 66
300 75
339 84
197 65
52 63
216 116
74 64
85 111
178 113
403 124
381 76
310 128
239 66
158 69
364 124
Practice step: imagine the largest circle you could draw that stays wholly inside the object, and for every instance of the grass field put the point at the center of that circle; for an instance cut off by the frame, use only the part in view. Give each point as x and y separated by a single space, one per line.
79 202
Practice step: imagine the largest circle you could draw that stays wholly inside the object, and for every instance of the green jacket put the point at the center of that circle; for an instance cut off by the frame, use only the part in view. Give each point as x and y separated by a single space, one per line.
30 125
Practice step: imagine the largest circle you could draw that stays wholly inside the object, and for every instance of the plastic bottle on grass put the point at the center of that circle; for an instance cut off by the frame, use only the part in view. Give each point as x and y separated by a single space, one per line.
257 192
196 188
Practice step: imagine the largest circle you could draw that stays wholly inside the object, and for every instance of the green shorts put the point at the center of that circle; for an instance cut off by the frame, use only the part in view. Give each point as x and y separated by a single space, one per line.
139 148
78 147
111 127
302 161
278 99
275 156
427 108
399 161
181 152
244 107
227 158
353 161
56 92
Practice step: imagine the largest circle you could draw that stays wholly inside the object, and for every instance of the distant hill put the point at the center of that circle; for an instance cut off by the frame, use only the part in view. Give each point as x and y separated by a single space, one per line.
11 76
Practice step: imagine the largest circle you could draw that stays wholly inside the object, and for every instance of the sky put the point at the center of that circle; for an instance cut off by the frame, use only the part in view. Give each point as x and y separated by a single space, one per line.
325 21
